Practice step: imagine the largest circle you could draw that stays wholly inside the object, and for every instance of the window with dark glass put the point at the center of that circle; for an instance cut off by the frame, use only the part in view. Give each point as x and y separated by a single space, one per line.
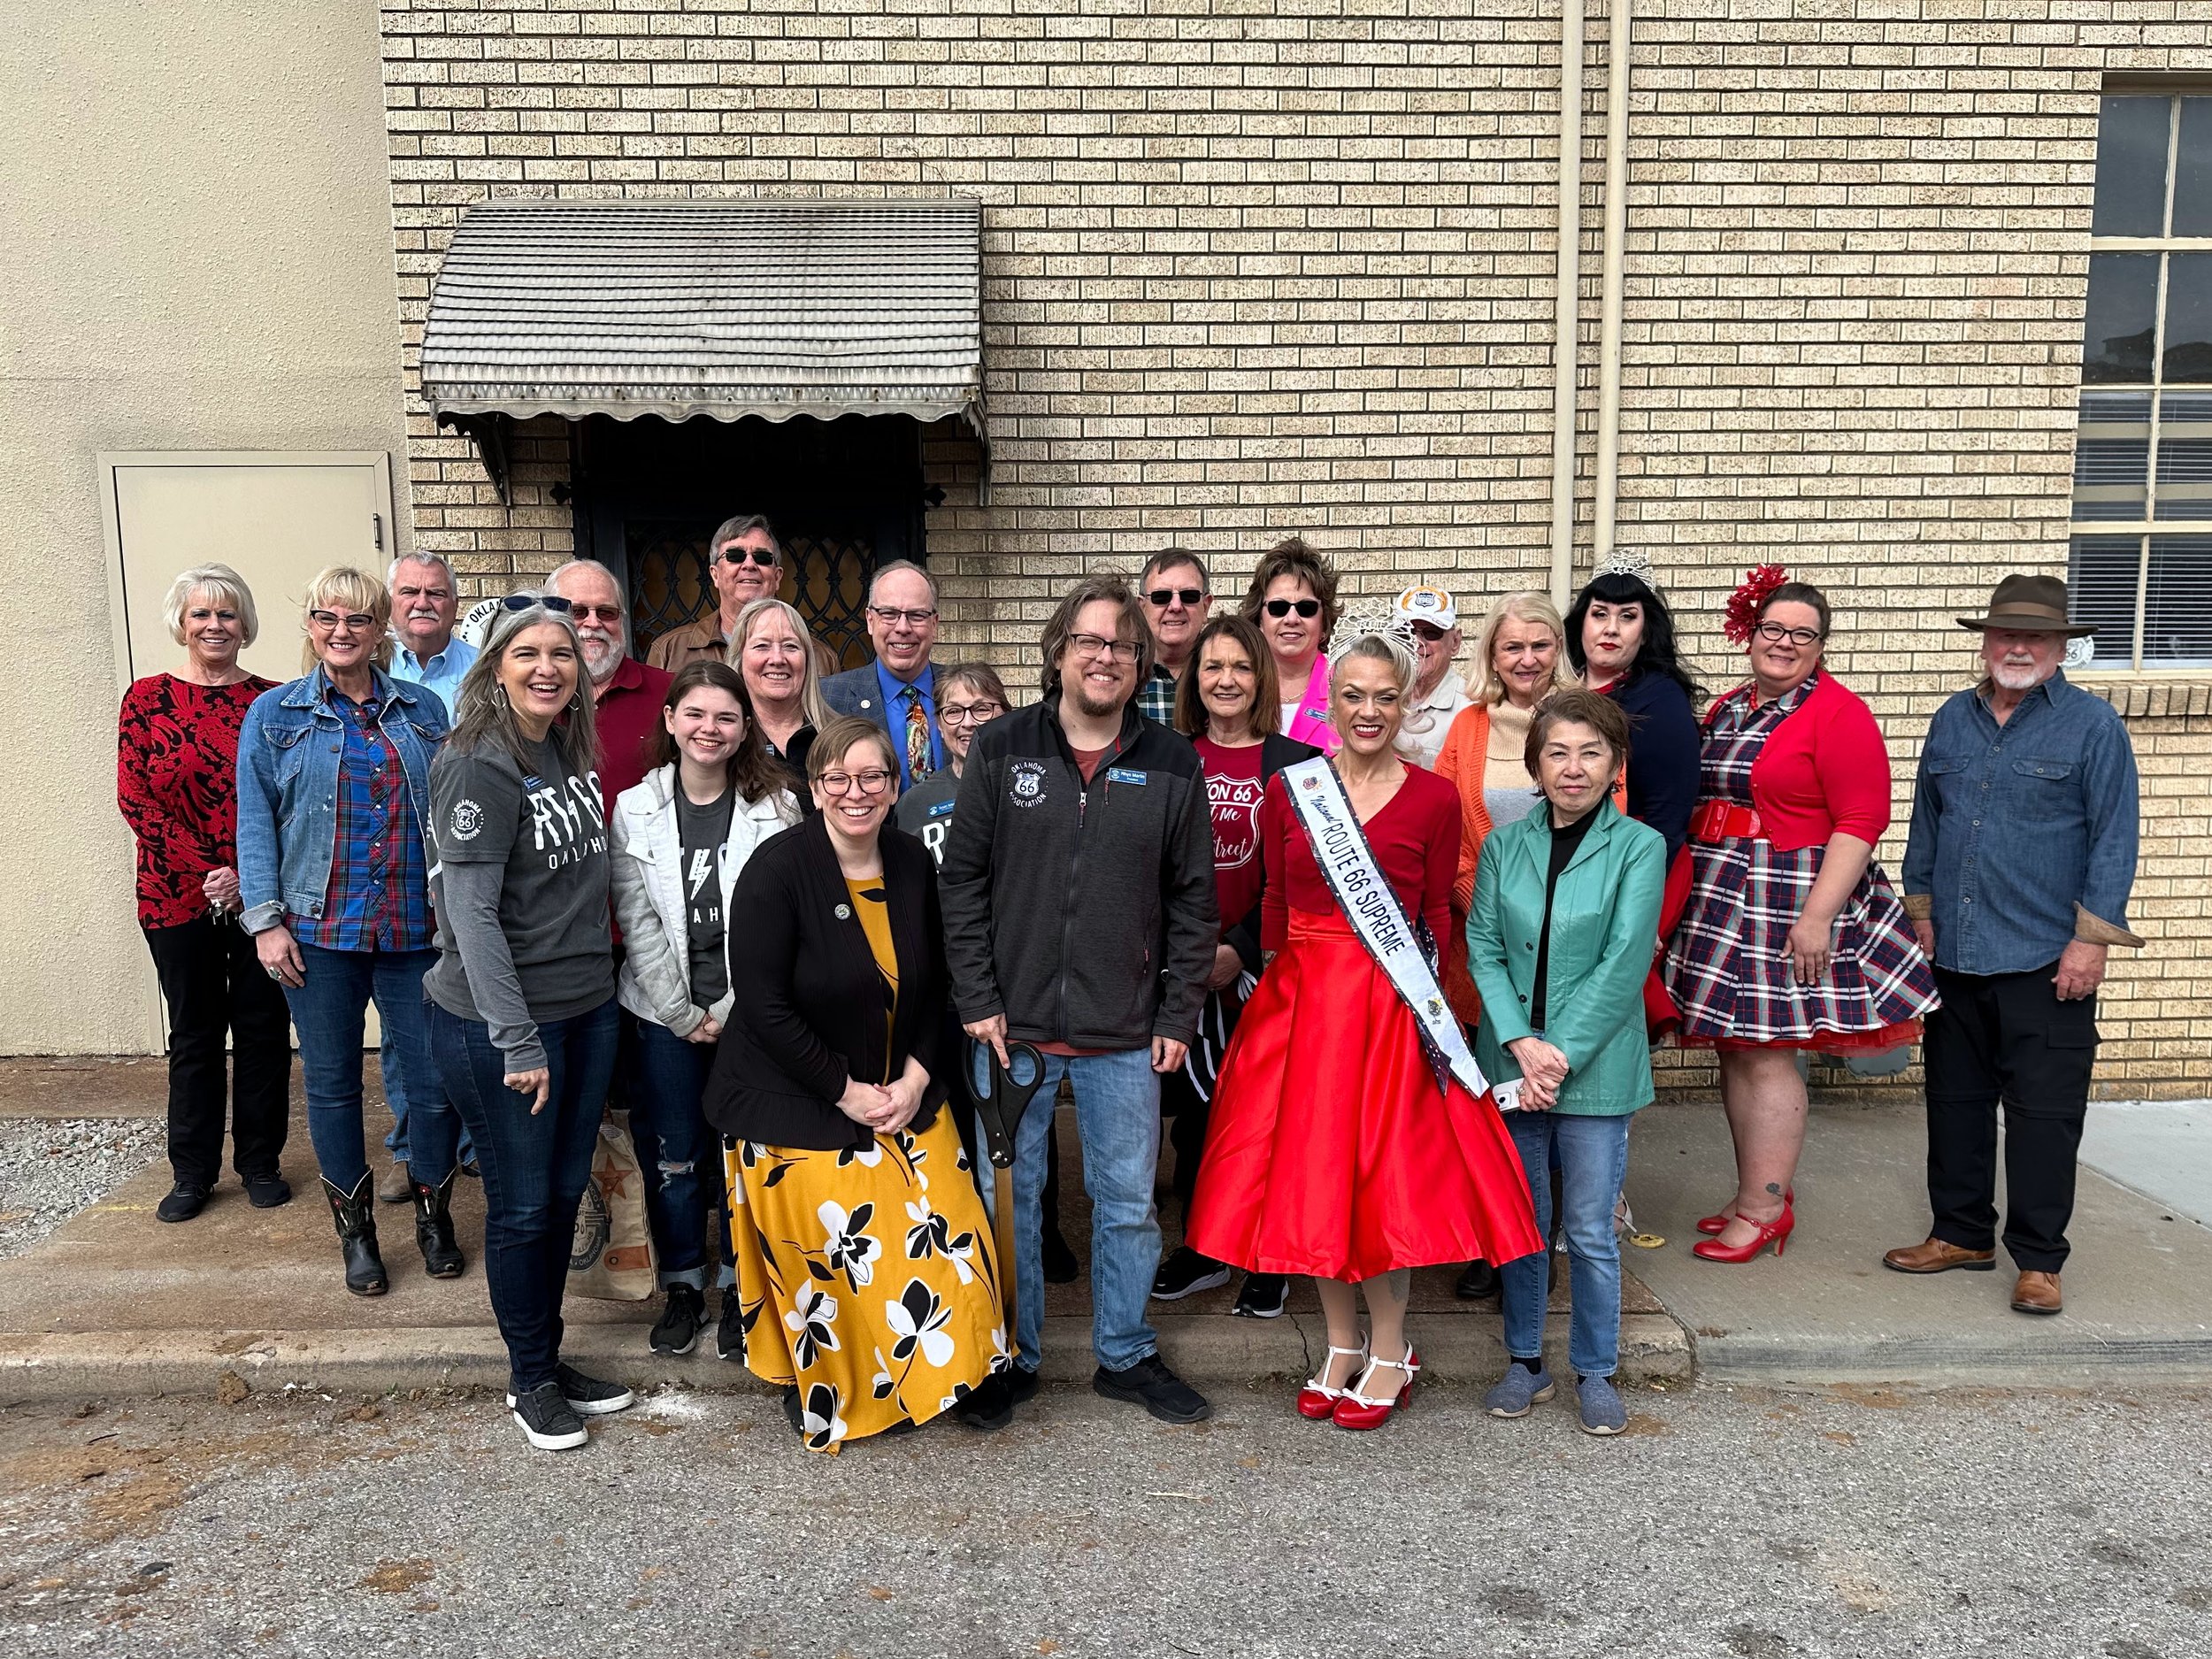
2142 512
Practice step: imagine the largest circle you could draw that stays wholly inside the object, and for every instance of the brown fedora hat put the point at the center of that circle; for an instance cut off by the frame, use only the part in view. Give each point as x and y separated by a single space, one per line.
2029 604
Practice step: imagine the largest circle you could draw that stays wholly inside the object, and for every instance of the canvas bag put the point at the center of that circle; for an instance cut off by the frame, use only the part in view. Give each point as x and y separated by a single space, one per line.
612 1257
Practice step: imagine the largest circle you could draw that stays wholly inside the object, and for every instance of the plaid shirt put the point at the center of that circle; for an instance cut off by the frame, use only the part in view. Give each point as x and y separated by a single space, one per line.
1155 698
378 897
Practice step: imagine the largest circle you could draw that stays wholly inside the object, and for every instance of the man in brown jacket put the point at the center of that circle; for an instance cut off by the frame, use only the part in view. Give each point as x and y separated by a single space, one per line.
747 564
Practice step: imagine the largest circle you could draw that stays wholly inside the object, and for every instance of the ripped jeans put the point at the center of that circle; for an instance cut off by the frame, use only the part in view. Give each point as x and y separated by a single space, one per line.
680 1156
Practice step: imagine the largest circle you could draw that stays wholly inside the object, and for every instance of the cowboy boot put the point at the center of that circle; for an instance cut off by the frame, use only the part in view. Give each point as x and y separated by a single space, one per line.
354 1215
434 1228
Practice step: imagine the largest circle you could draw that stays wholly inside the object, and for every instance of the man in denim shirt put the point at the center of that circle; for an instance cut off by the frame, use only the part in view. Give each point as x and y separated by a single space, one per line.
2017 877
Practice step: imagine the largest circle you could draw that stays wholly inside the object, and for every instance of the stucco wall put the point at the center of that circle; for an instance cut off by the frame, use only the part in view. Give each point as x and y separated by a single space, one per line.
198 257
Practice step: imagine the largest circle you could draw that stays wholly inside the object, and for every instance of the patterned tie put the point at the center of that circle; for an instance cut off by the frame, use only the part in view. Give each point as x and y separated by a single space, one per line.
917 766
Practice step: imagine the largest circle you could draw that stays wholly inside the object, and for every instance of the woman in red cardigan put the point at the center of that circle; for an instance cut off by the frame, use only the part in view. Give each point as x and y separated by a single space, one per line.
1793 938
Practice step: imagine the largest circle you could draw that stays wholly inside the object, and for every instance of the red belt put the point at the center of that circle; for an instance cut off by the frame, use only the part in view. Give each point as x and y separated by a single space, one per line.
1726 820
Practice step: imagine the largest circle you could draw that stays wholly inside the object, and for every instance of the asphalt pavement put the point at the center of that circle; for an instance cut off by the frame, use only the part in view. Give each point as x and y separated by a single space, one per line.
1730 1522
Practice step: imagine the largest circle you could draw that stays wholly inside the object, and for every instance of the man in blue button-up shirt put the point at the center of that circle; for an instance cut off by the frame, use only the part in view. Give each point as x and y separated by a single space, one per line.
2016 876
898 691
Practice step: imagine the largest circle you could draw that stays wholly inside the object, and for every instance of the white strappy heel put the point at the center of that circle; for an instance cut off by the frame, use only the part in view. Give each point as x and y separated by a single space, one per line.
1356 1409
1317 1400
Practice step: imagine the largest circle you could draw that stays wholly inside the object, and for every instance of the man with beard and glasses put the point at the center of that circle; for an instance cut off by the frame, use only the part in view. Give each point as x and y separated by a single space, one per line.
746 563
626 695
1078 891
425 600
2016 877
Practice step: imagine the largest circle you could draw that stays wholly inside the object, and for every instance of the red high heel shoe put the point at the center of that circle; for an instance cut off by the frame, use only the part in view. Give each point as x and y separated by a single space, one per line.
1776 1233
1357 1410
1710 1225
1316 1401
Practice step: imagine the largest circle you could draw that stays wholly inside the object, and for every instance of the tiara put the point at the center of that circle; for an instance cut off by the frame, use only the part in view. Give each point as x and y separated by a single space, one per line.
1627 562
1372 616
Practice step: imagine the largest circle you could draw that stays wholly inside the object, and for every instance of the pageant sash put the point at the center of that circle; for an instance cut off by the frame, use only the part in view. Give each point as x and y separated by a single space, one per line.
1348 865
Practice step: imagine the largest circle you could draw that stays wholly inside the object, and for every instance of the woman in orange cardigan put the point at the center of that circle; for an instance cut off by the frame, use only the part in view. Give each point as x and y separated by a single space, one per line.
1520 658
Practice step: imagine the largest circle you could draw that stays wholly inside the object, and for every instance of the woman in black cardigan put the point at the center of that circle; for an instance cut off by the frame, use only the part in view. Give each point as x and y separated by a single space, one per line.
854 1218
1227 704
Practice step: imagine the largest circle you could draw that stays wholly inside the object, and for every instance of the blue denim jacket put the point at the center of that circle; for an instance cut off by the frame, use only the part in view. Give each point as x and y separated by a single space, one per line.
288 788
2023 835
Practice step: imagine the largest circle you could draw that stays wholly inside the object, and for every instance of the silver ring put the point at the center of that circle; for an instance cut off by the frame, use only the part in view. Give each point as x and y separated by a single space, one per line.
276 975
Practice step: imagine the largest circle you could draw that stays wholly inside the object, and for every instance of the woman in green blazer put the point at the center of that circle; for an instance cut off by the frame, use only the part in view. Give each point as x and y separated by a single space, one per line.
1558 942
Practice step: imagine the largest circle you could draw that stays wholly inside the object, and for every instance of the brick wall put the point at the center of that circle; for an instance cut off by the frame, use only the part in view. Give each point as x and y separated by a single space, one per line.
1286 266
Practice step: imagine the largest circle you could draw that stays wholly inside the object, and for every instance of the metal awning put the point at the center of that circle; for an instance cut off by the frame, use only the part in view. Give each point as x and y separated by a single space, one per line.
725 308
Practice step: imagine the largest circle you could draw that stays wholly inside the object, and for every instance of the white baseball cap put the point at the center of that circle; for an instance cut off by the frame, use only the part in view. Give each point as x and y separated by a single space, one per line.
1432 605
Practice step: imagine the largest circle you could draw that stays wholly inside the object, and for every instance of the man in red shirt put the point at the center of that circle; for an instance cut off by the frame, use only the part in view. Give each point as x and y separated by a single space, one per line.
627 694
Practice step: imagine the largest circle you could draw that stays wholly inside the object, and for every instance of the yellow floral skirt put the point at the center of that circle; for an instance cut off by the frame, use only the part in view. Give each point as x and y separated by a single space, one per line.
866 1276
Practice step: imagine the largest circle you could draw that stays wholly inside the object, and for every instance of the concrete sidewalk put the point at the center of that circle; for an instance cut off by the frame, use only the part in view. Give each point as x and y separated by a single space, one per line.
2139 1287
115 1302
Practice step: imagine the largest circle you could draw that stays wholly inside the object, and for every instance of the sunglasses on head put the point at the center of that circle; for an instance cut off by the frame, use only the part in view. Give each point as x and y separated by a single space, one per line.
761 555
1284 607
523 602
1163 597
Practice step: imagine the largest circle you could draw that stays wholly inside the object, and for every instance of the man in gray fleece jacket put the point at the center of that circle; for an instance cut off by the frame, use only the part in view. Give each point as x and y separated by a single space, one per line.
1078 890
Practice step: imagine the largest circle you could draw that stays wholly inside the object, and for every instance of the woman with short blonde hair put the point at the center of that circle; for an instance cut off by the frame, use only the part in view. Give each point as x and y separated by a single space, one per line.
176 784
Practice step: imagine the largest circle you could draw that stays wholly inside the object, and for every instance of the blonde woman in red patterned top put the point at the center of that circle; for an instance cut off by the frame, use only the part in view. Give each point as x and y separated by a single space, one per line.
176 782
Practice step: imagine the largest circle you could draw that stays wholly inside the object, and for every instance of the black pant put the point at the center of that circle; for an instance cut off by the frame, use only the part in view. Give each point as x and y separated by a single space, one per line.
214 985
2006 1036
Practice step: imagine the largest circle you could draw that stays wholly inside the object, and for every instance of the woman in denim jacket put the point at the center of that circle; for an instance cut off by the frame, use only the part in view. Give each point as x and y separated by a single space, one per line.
334 788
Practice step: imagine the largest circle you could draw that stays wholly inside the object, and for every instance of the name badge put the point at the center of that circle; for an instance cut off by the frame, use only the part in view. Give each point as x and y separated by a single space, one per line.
943 809
1118 774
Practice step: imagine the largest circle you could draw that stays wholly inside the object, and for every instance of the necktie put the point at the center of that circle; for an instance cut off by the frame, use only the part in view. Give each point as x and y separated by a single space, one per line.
917 766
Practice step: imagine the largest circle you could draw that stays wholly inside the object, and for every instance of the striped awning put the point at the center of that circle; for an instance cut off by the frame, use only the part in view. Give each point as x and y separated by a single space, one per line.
717 308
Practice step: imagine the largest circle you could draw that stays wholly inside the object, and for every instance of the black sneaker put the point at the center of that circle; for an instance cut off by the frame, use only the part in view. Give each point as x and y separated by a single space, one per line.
988 1406
1021 1384
1478 1282
1186 1273
677 1330
587 1396
1061 1267
1151 1384
549 1421
185 1199
793 1412
729 1335
1262 1296
267 1192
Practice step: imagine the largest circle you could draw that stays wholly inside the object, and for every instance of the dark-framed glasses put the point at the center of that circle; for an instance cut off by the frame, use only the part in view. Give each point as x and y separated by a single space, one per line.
873 781
1094 645
1161 598
765 557
602 613
523 602
1284 607
969 713
359 621
891 616
1774 633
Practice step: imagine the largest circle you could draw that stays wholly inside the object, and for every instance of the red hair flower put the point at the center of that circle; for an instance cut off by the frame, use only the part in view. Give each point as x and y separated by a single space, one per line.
1744 604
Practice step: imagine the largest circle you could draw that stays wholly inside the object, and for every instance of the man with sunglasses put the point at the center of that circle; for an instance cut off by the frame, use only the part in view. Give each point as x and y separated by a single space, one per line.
1177 595
626 695
746 561
898 691
1431 617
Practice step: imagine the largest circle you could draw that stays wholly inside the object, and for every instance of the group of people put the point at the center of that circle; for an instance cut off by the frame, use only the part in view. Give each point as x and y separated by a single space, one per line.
1389 950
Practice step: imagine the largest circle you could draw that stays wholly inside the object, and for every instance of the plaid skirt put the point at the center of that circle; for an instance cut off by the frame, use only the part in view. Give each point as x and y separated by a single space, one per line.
1728 965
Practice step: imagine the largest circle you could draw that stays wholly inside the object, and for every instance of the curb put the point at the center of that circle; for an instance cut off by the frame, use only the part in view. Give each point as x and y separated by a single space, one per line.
1213 1351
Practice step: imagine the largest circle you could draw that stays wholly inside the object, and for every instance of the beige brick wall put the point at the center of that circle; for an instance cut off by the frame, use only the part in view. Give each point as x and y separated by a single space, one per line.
1287 266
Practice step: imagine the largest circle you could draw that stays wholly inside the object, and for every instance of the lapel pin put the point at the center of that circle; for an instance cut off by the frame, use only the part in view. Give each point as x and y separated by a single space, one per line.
844 912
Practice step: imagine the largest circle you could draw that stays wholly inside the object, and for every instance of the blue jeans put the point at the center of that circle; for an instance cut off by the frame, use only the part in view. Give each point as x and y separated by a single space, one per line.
1591 1154
535 1167
674 1142
1118 1114
330 1011
395 1097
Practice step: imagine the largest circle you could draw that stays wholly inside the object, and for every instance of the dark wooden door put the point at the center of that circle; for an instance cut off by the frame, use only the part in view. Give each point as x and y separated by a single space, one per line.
845 497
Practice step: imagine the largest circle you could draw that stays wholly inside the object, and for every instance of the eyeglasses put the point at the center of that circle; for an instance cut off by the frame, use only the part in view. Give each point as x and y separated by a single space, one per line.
1161 598
968 714
1284 607
359 621
603 613
523 602
1774 633
891 618
763 556
874 782
1092 645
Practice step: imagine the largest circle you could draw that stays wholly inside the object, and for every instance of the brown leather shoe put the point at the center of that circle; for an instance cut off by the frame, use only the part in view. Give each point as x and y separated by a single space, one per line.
394 1188
1939 1255
2036 1293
